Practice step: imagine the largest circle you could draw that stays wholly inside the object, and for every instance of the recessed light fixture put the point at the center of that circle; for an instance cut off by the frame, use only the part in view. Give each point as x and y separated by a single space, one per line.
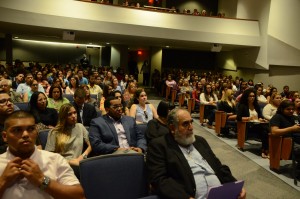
16 37
107 43
167 46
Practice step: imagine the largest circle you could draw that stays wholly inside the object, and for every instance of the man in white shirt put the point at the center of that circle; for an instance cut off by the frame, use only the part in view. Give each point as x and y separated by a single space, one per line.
24 87
27 172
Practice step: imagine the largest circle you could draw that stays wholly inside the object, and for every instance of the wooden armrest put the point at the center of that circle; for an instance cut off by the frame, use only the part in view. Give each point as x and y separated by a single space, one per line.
201 113
241 134
279 148
218 122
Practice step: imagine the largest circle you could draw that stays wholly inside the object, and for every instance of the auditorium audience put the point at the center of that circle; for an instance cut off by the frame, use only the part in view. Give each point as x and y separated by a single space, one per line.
210 101
227 104
270 109
115 132
285 94
142 110
94 88
27 172
85 112
45 118
117 94
56 99
73 85
6 108
25 87
106 92
158 126
69 138
297 107
272 90
284 122
88 99
181 164
33 88
249 111
19 79
5 85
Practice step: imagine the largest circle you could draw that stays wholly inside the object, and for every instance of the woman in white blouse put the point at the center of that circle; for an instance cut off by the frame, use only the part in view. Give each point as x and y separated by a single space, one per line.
270 109
209 99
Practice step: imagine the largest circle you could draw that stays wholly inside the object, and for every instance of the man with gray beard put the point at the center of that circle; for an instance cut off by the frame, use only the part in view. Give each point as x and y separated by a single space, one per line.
182 165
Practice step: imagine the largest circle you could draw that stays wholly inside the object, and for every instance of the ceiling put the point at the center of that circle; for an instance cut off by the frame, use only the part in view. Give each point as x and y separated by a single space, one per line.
82 37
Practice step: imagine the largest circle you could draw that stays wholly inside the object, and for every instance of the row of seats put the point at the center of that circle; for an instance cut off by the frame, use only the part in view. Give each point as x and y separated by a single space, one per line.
103 177
25 105
280 148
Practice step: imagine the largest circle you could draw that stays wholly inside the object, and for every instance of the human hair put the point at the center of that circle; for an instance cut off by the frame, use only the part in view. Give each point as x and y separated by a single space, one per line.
245 95
76 79
137 95
107 101
163 109
226 95
51 90
283 105
206 94
80 93
173 117
8 81
28 74
61 129
20 114
33 105
273 96
105 90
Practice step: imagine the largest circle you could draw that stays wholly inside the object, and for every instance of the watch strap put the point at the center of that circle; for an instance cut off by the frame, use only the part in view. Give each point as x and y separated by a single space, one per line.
45 183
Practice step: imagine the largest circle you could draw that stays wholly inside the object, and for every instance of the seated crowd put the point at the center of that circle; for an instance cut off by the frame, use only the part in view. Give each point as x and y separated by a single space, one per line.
82 126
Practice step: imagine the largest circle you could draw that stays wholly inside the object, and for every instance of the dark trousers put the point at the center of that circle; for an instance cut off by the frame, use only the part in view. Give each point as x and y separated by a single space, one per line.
146 78
261 131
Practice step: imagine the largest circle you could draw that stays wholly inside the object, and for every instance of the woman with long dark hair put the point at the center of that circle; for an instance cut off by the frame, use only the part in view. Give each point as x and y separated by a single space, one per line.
141 110
45 118
73 85
56 100
209 99
249 111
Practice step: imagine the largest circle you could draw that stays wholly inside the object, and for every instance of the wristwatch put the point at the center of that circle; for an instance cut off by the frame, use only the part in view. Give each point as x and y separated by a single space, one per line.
45 183
84 156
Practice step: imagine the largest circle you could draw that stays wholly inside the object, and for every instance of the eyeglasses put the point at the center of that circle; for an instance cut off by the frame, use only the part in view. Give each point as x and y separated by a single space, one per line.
186 124
146 116
5 101
3 85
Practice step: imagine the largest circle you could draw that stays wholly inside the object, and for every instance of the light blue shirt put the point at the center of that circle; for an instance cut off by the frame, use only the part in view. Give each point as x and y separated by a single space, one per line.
204 175
23 88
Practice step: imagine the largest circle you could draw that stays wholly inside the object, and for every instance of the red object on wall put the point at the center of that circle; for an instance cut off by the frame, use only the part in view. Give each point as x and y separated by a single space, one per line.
150 2
139 52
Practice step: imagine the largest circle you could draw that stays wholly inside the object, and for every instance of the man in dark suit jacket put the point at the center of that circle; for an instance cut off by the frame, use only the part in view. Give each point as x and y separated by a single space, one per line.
173 159
115 132
85 112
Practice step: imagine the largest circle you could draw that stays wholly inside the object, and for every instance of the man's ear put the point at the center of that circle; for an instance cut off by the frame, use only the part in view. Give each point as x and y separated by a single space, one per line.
4 136
172 128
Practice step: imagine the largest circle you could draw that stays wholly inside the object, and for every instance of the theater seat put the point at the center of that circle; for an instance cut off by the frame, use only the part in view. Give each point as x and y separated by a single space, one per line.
114 176
22 105
43 136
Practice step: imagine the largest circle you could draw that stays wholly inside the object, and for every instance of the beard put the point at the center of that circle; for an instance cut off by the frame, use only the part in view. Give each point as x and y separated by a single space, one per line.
184 140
